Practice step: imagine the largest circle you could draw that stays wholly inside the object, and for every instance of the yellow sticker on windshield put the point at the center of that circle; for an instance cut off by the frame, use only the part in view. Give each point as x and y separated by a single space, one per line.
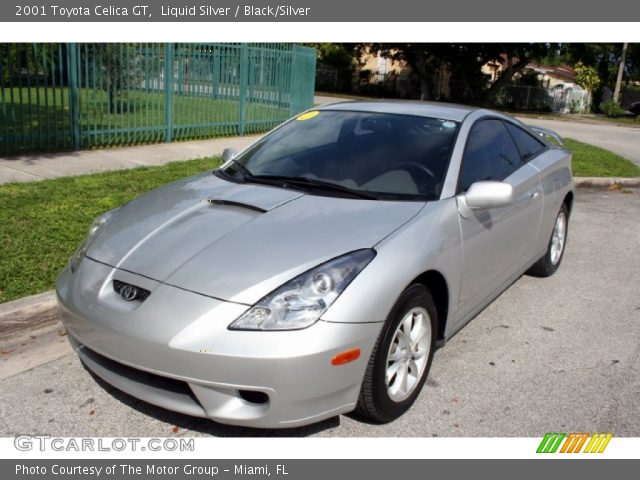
308 115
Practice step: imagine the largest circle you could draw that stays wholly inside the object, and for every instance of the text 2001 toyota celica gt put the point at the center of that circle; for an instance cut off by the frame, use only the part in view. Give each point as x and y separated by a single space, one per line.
315 272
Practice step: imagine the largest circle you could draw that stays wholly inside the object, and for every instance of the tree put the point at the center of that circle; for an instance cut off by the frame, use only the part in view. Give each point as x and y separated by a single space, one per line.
515 57
601 56
632 65
465 61
120 67
339 57
605 58
422 58
19 59
586 76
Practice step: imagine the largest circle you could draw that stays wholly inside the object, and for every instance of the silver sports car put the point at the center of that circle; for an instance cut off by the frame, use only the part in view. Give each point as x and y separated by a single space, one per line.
315 272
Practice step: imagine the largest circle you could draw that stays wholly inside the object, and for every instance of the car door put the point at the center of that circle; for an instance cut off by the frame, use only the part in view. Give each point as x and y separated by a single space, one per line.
553 175
497 243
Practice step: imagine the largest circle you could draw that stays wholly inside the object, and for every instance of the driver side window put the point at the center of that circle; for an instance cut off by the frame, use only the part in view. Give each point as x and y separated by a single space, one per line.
490 154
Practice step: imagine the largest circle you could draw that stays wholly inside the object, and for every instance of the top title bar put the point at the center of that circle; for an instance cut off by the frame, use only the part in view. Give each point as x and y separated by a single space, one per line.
319 11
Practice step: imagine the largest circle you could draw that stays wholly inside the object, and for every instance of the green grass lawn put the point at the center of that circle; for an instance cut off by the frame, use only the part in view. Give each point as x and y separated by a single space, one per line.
592 161
42 223
33 119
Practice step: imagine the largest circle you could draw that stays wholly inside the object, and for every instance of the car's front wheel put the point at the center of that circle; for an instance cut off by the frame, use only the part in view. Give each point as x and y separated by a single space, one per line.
401 359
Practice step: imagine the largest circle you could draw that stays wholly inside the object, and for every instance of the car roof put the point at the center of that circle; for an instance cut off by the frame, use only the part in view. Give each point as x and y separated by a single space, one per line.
445 111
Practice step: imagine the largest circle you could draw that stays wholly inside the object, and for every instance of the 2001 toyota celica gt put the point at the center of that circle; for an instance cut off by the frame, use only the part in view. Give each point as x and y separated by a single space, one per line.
316 272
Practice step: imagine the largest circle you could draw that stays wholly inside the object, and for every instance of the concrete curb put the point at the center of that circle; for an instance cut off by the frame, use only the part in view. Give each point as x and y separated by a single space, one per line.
23 316
606 182
31 334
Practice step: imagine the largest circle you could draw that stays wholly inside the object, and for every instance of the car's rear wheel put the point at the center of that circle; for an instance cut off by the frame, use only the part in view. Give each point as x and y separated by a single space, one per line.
550 261
401 359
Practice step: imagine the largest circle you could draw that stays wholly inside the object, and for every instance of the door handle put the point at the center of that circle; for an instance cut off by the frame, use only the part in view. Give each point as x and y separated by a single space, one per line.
534 195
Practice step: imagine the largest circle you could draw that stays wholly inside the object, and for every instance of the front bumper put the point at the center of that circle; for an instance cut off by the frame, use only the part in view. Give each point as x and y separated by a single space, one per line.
174 350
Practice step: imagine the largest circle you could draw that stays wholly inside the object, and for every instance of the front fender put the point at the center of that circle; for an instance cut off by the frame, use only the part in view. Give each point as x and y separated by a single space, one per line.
430 241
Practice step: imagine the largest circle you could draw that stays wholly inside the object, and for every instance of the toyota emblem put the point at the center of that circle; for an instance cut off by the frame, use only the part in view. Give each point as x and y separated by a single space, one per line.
128 293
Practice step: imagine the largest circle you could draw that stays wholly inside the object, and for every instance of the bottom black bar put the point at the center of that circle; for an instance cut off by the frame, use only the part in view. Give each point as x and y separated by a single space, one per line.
316 469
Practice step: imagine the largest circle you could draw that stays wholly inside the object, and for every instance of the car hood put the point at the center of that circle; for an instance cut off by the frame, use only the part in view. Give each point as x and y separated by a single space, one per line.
238 242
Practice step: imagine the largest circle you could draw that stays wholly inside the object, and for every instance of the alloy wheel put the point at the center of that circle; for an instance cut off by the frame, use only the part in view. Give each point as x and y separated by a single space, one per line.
558 238
408 354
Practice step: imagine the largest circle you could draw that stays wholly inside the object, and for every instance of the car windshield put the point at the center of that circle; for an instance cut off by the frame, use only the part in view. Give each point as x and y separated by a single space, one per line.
373 155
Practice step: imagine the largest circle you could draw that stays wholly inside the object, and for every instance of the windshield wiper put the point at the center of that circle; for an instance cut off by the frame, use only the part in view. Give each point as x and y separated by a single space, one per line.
300 181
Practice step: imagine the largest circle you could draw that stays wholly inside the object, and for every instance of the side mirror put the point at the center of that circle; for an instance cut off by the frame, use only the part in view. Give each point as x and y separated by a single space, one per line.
228 154
489 194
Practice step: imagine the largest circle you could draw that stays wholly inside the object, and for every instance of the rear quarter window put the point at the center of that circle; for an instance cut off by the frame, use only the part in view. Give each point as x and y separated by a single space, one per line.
528 145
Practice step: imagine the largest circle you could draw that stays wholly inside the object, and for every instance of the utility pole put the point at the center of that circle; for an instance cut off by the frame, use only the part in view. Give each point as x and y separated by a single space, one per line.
623 59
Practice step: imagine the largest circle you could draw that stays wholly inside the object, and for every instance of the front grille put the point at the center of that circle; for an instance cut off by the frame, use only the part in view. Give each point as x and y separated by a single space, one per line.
125 291
140 376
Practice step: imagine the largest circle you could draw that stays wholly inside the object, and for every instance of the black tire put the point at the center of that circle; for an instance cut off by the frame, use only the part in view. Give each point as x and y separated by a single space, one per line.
375 403
544 267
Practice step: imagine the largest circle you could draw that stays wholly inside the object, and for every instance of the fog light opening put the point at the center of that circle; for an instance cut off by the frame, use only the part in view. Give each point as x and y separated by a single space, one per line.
253 396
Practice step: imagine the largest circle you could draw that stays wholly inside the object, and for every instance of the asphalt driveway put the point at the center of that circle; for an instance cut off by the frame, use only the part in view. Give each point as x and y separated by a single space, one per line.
557 354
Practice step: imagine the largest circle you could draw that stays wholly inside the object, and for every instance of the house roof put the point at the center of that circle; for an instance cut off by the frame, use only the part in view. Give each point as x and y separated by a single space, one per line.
562 71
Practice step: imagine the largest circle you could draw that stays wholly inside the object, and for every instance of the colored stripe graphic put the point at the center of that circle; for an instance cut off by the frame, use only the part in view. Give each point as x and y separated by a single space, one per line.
581 443
550 443
573 442
598 442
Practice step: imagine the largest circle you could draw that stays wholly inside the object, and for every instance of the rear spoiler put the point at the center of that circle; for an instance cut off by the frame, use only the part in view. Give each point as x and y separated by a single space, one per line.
547 133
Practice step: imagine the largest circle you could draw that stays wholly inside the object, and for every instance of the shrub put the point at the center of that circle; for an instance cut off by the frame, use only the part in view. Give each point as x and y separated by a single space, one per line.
612 109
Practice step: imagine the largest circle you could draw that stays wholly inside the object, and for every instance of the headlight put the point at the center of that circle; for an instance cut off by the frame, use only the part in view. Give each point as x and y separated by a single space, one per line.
300 302
96 226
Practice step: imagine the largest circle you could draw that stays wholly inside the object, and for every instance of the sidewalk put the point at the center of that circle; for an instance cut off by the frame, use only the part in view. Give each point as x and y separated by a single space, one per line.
29 168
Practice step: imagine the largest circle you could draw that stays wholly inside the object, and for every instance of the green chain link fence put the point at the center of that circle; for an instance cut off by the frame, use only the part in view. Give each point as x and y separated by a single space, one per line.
57 97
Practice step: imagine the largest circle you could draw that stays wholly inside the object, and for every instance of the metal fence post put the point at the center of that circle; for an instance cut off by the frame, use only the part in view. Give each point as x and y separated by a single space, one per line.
302 83
168 90
244 73
216 71
4 116
294 82
74 99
